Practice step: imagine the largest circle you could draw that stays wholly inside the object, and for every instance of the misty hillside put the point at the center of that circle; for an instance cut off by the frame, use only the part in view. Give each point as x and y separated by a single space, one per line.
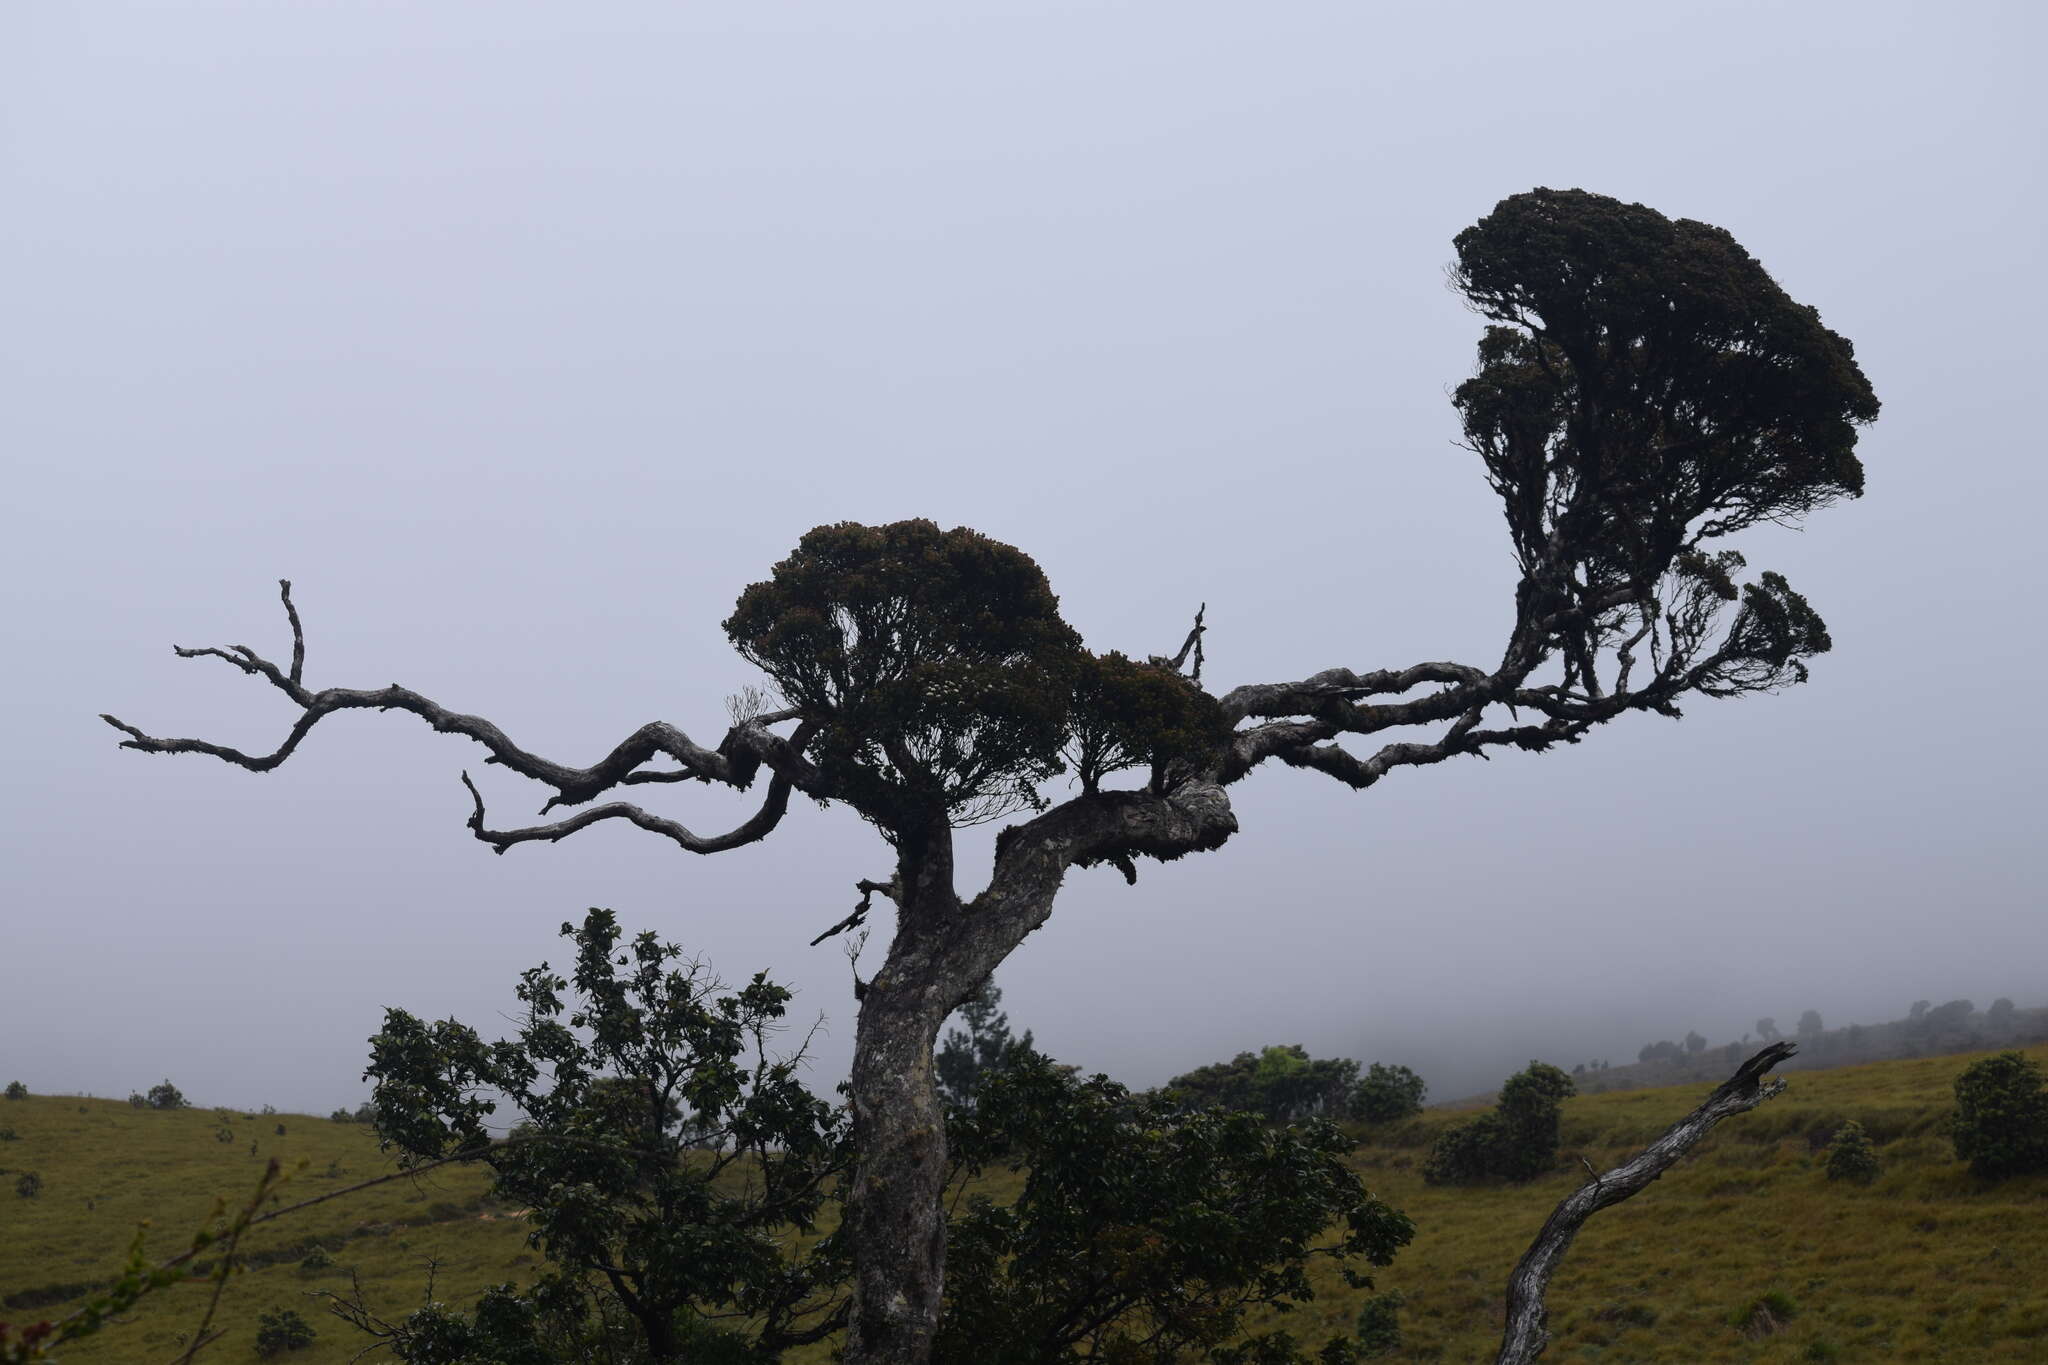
1925 1264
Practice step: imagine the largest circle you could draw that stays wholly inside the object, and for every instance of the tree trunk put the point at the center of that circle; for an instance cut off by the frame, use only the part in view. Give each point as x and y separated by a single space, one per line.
899 1175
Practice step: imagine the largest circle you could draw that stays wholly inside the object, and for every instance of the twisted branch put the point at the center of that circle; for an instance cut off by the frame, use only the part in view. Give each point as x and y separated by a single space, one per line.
1527 1333
747 746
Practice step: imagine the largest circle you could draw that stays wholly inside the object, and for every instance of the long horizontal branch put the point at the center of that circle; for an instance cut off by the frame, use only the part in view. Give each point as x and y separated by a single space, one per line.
747 746
1527 1332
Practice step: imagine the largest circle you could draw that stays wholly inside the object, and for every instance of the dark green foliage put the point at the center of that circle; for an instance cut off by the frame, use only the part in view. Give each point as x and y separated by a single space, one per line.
1851 1156
316 1260
281 1331
1139 715
1144 1232
933 666
137 1100
1379 1324
2000 1125
1516 1141
660 1140
983 1047
1281 1084
166 1096
1648 387
9 1135
1387 1093
16 1090
28 1185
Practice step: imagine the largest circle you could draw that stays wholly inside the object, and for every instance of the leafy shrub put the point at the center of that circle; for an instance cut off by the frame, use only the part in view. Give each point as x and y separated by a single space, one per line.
1145 1231
281 1331
9 1135
1517 1141
28 1185
1851 1157
137 1100
280 1130
166 1096
1387 1093
223 1135
317 1259
2000 1124
342 1116
16 1090
1379 1324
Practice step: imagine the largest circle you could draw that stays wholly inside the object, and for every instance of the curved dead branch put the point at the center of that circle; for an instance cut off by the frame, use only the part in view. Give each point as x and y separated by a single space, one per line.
747 747
1527 1333
754 829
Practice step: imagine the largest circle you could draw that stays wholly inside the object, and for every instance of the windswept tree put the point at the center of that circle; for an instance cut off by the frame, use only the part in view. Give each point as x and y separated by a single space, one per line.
1644 390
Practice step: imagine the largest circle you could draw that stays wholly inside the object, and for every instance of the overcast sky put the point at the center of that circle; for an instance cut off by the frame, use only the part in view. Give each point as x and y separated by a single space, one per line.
522 336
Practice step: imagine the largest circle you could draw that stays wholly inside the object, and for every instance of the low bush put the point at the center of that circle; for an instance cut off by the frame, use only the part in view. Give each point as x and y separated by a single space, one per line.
1850 1155
281 1331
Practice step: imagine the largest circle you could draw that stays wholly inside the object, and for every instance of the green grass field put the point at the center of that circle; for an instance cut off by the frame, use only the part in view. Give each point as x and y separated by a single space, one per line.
1926 1264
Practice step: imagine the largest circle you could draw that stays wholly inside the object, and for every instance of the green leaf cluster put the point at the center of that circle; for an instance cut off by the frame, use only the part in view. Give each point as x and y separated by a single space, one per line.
663 1150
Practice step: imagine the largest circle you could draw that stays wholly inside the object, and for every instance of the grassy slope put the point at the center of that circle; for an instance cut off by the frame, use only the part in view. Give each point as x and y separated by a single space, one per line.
169 1167
1927 1264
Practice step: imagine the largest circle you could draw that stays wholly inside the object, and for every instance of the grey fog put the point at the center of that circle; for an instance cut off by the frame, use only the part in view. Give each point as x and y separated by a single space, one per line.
521 337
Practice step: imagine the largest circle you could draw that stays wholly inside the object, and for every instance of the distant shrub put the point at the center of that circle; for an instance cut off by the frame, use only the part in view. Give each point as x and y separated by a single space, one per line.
166 1096
1517 1141
281 1331
280 1129
28 1185
268 1109
2000 1124
16 1090
317 1259
223 1135
1387 1093
9 1135
1851 1157
1823 1350
1379 1324
138 1100
341 1116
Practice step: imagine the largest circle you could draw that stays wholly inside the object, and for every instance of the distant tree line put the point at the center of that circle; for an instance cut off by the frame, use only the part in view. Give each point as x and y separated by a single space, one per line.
1283 1084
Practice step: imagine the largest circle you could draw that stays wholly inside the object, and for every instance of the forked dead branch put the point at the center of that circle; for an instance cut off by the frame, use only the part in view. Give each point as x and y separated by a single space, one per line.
1644 389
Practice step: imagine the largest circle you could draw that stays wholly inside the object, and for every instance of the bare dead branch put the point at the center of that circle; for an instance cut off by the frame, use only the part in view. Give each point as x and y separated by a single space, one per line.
1194 643
1527 1334
754 829
284 590
867 891
747 746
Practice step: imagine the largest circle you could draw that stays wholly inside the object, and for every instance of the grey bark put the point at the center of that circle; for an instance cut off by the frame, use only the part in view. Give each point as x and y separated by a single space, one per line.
1527 1333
